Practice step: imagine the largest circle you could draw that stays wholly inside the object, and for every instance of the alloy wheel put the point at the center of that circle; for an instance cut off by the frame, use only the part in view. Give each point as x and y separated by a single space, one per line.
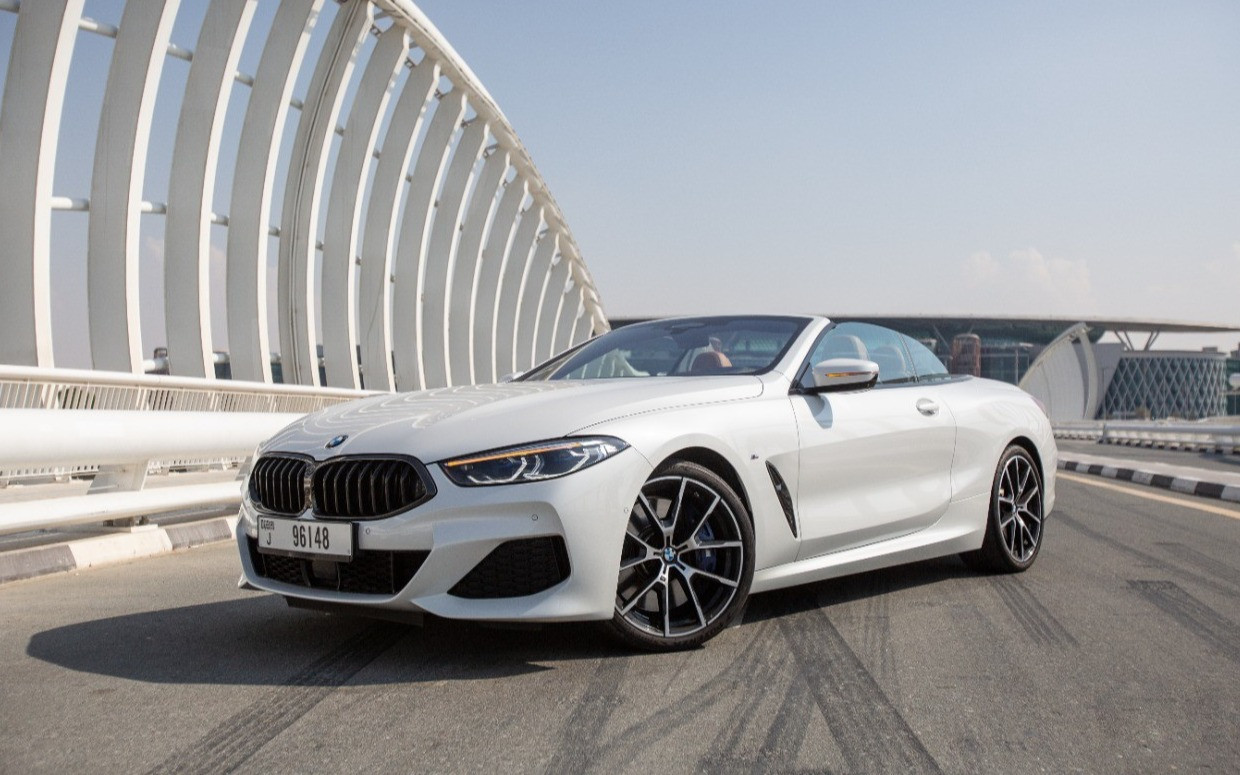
1020 508
683 560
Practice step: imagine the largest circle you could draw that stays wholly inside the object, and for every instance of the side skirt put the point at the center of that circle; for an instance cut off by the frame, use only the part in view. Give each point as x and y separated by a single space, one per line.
961 529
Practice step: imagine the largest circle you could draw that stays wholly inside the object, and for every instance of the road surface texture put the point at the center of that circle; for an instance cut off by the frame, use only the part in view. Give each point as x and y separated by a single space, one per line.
1118 652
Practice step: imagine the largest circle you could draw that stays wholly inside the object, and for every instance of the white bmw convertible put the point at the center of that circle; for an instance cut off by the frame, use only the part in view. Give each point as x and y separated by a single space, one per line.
651 478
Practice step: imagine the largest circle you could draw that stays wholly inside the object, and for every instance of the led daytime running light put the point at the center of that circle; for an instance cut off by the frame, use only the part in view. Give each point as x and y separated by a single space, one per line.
531 462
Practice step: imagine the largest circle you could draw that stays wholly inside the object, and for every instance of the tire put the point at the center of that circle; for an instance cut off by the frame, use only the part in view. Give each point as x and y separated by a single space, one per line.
1014 527
687 560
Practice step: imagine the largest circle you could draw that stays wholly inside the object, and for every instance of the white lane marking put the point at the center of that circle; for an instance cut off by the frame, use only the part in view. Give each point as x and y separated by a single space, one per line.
1208 507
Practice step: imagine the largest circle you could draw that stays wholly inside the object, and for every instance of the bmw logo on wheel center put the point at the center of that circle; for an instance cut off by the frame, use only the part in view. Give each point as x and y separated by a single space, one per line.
336 442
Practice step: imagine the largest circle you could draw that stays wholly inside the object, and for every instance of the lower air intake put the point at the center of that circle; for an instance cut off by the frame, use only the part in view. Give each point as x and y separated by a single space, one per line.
516 568
369 573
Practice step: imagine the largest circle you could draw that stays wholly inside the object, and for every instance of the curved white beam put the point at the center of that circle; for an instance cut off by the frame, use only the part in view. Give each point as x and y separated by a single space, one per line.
430 299
430 40
432 286
566 318
344 208
253 181
583 329
549 309
532 286
427 174
463 272
508 296
375 282
112 246
303 193
34 93
499 242
191 187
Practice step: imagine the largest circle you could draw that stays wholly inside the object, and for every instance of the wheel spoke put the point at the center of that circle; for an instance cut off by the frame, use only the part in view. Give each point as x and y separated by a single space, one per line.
633 563
1024 477
638 539
1026 532
667 607
697 605
689 572
707 545
692 539
651 514
674 516
1024 502
633 602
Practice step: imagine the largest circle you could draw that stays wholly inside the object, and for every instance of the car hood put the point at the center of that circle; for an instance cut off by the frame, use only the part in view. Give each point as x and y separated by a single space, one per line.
436 424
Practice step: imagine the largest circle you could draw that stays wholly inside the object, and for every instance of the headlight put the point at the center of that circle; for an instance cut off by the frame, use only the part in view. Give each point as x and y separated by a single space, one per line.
531 462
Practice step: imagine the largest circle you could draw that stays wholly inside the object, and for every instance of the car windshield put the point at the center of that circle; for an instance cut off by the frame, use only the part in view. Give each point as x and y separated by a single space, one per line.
679 347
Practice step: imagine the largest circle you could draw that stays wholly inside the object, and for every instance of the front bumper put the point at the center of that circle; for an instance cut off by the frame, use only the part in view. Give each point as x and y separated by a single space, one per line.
461 526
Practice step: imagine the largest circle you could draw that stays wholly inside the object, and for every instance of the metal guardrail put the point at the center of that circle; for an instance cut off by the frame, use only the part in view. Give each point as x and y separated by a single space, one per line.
125 432
24 387
1211 437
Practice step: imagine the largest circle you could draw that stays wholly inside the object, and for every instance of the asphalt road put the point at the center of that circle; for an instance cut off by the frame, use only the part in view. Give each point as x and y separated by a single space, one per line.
1118 652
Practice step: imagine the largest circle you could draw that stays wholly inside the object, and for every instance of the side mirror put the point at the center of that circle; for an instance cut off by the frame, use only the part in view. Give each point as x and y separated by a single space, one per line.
844 374
510 377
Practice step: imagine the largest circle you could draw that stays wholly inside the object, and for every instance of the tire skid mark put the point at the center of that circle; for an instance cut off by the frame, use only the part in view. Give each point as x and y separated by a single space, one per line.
594 753
876 627
665 721
787 731
588 718
1145 557
231 743
1038 623
1195 616
869 731
1215 568
727 747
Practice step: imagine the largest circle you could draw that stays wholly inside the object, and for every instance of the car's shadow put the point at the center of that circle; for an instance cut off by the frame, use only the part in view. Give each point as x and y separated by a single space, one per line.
846 589
258 641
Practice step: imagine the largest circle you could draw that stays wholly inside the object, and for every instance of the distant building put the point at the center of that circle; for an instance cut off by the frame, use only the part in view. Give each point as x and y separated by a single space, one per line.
1156 384
966 355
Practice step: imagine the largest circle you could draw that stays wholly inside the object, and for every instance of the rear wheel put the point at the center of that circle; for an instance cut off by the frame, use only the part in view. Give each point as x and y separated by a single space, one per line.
1014 527
687 561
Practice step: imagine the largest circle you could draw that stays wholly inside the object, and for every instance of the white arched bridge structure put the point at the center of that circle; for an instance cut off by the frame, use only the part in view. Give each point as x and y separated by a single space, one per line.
415 243
378 223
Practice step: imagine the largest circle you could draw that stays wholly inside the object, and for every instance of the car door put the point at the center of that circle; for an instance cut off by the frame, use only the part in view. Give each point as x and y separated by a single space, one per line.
874 463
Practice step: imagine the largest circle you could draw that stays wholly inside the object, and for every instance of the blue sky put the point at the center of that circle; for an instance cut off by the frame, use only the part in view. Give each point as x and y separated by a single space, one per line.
1060 158
1069 159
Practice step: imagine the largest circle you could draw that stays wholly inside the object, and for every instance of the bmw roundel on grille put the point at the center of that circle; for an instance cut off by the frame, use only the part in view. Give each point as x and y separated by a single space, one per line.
336 442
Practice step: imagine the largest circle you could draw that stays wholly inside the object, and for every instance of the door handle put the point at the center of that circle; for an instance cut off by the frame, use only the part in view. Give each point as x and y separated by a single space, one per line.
927 407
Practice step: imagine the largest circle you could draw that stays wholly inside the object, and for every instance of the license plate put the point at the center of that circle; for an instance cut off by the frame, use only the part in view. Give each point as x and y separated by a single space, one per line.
303 538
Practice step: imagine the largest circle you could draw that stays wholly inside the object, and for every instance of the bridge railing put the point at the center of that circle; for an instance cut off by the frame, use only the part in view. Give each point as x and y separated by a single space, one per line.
132 437
1206 436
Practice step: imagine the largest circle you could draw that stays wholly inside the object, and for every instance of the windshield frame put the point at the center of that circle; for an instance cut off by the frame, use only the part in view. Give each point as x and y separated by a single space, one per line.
547 370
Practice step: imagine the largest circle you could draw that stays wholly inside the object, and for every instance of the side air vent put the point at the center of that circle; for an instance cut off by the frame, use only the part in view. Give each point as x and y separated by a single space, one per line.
785 497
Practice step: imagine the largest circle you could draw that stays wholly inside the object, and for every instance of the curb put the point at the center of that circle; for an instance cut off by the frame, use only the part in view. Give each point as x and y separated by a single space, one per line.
111 549
1181 484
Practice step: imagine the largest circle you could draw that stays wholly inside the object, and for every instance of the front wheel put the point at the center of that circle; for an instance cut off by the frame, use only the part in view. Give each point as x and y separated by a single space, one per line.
1014 527
687 561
